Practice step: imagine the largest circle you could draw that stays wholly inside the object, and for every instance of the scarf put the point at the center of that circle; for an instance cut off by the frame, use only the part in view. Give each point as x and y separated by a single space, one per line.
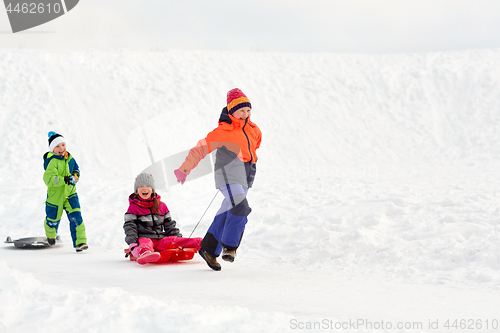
148 203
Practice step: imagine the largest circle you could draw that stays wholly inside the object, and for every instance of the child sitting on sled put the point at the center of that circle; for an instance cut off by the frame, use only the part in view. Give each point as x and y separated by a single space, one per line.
149 228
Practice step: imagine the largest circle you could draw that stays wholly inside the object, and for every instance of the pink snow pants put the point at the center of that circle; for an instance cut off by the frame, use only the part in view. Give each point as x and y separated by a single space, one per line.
158 245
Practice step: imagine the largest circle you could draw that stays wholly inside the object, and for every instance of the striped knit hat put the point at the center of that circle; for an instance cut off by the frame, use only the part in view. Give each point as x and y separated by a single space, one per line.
236 99
54 140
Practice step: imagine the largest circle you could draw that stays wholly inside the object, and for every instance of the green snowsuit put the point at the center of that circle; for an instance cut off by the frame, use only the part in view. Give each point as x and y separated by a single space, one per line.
62 196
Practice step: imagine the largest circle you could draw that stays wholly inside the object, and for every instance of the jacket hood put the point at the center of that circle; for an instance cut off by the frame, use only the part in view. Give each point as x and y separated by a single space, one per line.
48 156
225 117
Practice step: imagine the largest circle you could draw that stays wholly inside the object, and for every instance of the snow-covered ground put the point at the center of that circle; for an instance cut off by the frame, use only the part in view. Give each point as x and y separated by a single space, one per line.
375 207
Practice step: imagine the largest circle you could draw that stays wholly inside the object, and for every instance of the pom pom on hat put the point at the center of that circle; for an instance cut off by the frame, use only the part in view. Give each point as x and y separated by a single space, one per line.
236 99
55 139
144 178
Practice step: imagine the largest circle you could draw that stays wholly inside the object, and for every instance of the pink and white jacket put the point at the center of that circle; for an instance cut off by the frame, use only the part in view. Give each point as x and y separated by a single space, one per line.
140 221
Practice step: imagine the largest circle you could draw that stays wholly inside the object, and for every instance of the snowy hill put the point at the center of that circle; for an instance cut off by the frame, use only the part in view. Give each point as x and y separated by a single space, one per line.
376 194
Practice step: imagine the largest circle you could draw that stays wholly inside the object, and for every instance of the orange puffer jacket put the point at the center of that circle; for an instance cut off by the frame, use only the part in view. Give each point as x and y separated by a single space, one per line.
236 142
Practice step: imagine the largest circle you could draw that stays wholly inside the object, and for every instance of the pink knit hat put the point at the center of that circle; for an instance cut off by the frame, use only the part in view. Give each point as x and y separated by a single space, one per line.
236 99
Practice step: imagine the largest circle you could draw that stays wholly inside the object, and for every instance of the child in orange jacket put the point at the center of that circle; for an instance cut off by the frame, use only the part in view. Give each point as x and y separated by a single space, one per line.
236 140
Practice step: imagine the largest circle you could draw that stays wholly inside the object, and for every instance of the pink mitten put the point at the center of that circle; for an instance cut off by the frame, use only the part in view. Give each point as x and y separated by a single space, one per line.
181 176
134 249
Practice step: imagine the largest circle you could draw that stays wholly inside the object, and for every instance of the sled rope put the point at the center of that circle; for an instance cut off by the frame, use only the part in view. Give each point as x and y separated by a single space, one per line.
196 226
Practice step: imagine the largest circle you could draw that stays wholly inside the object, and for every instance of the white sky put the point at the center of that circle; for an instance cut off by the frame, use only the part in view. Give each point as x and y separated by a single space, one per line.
354 26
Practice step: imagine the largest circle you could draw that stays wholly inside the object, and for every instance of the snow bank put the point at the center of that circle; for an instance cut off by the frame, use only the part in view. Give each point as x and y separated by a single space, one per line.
55 308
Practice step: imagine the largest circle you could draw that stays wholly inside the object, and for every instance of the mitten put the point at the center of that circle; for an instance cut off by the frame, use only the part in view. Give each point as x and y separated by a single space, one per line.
181 176
70 180
134 249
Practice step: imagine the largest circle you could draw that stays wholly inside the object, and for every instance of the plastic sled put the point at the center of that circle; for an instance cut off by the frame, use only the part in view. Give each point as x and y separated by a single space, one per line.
173 252
30 242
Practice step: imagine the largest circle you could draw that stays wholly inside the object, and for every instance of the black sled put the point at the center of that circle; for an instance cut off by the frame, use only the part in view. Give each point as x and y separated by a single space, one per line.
31 242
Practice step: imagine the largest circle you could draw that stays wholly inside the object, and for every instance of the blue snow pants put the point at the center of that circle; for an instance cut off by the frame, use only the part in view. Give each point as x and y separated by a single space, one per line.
228 225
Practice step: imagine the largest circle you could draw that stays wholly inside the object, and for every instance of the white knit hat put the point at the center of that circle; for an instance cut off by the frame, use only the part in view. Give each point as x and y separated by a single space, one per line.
54 140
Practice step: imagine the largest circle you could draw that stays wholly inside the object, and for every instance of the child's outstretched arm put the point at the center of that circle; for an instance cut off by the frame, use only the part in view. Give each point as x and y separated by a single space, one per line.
204 147
196 154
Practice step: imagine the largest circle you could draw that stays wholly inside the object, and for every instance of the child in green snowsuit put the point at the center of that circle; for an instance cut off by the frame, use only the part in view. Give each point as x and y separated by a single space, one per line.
61 175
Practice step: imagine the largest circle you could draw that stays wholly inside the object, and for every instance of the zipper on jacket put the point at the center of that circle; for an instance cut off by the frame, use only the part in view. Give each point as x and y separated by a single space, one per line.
153 220
248 140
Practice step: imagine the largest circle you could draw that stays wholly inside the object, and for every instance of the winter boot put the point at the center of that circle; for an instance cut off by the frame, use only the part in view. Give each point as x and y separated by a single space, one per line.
148 256
81 247
228 255
51 241
211 260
